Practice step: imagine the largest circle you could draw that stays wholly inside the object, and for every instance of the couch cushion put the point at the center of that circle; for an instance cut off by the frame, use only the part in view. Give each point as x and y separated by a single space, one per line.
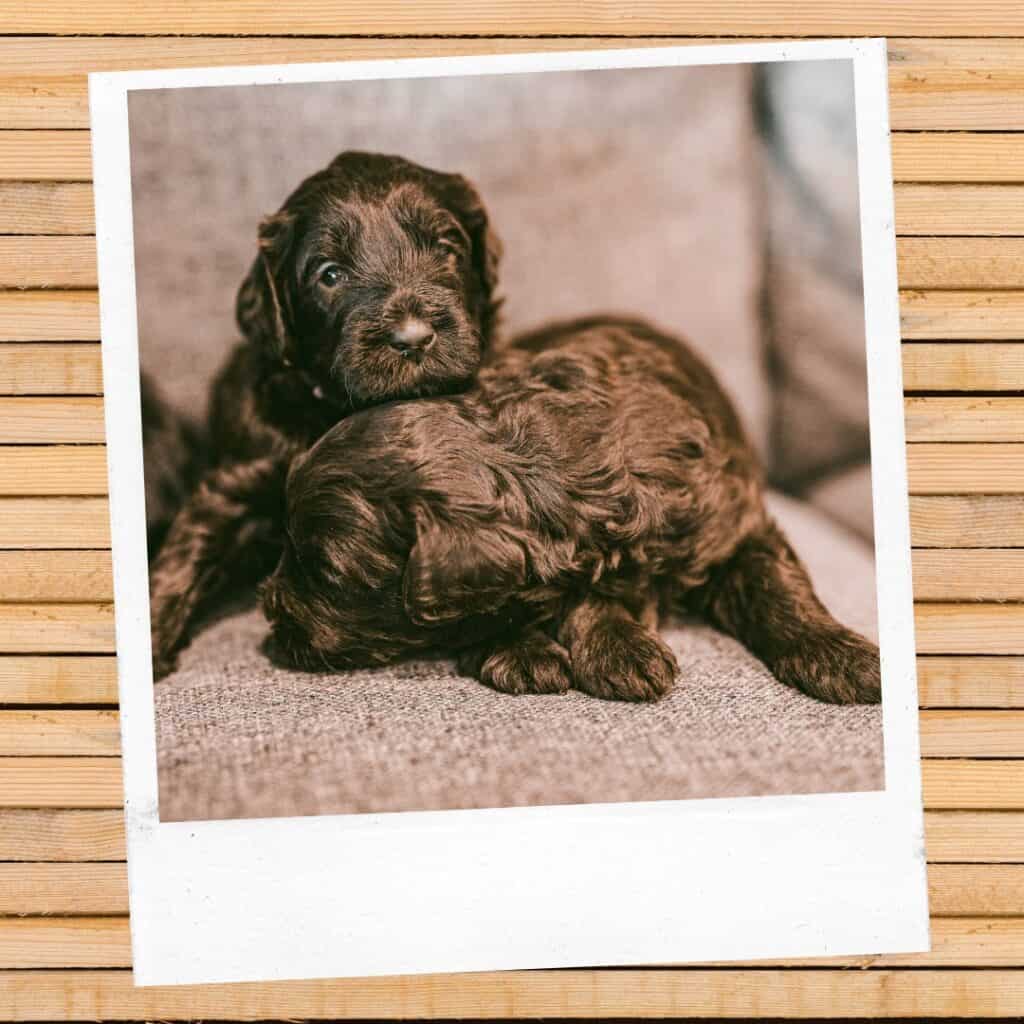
240 738
623 190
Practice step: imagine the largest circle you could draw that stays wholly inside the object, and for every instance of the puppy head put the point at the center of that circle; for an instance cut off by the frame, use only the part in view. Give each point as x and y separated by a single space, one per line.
377 279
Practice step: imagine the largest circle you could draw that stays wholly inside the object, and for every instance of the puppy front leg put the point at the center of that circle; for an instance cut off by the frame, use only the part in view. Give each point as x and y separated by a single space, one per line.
763 596
525 662
232 509
615 654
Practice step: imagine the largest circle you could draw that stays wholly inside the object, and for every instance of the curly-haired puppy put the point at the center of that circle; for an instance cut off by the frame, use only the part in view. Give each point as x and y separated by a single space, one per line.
594 478
375 281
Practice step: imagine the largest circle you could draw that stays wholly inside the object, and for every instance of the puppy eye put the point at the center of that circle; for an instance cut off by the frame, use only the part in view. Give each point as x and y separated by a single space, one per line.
450 243
330 274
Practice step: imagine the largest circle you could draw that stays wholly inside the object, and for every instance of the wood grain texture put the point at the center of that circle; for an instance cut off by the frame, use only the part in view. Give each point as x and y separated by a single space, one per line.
961 263
55 420
52 679
955 157
50 369
69 261
46 208
70 995
51 576
532 17
54 523
975 521
971 682
978 157
61 835
937 84
959 164
963 419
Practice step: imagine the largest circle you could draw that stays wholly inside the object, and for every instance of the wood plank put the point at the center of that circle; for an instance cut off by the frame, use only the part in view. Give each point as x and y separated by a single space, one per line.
72 315
977 521
955 890
56 628
54 523
25 420
103 889
97 733
933 83
73 733
58 470
956 263
956 84
48 942
533 17
95 782
965 468
958 733
961 419
959 367
65 942
960 315
89 628
65 208
69 261
993 682
62 835
47 155
967 574
53 576
51 156
968 628
978 836
966 785
956 157
57 208
52 369
78 782
962 574
959 209
81 679
71 995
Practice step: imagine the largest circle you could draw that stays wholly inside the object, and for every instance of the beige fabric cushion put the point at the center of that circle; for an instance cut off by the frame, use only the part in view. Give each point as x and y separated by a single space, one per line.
613 190
240 738
814 301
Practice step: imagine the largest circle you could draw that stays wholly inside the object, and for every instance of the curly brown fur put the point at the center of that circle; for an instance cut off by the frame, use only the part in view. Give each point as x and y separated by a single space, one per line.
594 475
375 281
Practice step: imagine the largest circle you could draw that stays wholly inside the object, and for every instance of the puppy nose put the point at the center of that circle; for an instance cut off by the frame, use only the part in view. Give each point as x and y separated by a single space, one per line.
412 337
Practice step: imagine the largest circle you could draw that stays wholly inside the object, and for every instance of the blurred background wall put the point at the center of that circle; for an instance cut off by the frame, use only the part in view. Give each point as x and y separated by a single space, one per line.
720 202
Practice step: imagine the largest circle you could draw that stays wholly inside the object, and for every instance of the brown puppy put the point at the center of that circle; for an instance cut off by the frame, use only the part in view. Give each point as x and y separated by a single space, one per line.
595 477
375 281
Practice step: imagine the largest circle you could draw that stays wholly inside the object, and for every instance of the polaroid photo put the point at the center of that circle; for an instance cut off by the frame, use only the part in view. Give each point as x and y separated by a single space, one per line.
509 509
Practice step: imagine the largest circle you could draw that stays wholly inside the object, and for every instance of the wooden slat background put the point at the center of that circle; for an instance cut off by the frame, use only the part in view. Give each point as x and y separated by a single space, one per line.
957 105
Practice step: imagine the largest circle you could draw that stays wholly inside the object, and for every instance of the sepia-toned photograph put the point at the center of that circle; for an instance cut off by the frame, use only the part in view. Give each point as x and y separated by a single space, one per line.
506 440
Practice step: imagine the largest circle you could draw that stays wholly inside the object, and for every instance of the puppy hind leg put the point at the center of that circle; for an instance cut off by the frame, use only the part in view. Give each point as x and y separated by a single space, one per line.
764 598
214 534
616 654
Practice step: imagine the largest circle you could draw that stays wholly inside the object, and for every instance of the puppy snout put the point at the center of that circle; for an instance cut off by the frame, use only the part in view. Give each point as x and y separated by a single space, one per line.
412 337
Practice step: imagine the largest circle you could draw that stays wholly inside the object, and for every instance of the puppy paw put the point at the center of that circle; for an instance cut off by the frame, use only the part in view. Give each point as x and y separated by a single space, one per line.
620 659
531 664
168 626
837 666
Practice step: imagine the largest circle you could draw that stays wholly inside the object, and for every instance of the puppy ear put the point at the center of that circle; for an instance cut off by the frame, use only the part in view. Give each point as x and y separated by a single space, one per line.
487 249
262 308
455 573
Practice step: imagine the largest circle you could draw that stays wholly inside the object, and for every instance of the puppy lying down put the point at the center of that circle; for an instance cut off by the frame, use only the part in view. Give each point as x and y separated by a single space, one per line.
539 525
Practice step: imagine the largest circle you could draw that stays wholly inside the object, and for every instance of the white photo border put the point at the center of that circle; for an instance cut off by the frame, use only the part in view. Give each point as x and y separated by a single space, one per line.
525 887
